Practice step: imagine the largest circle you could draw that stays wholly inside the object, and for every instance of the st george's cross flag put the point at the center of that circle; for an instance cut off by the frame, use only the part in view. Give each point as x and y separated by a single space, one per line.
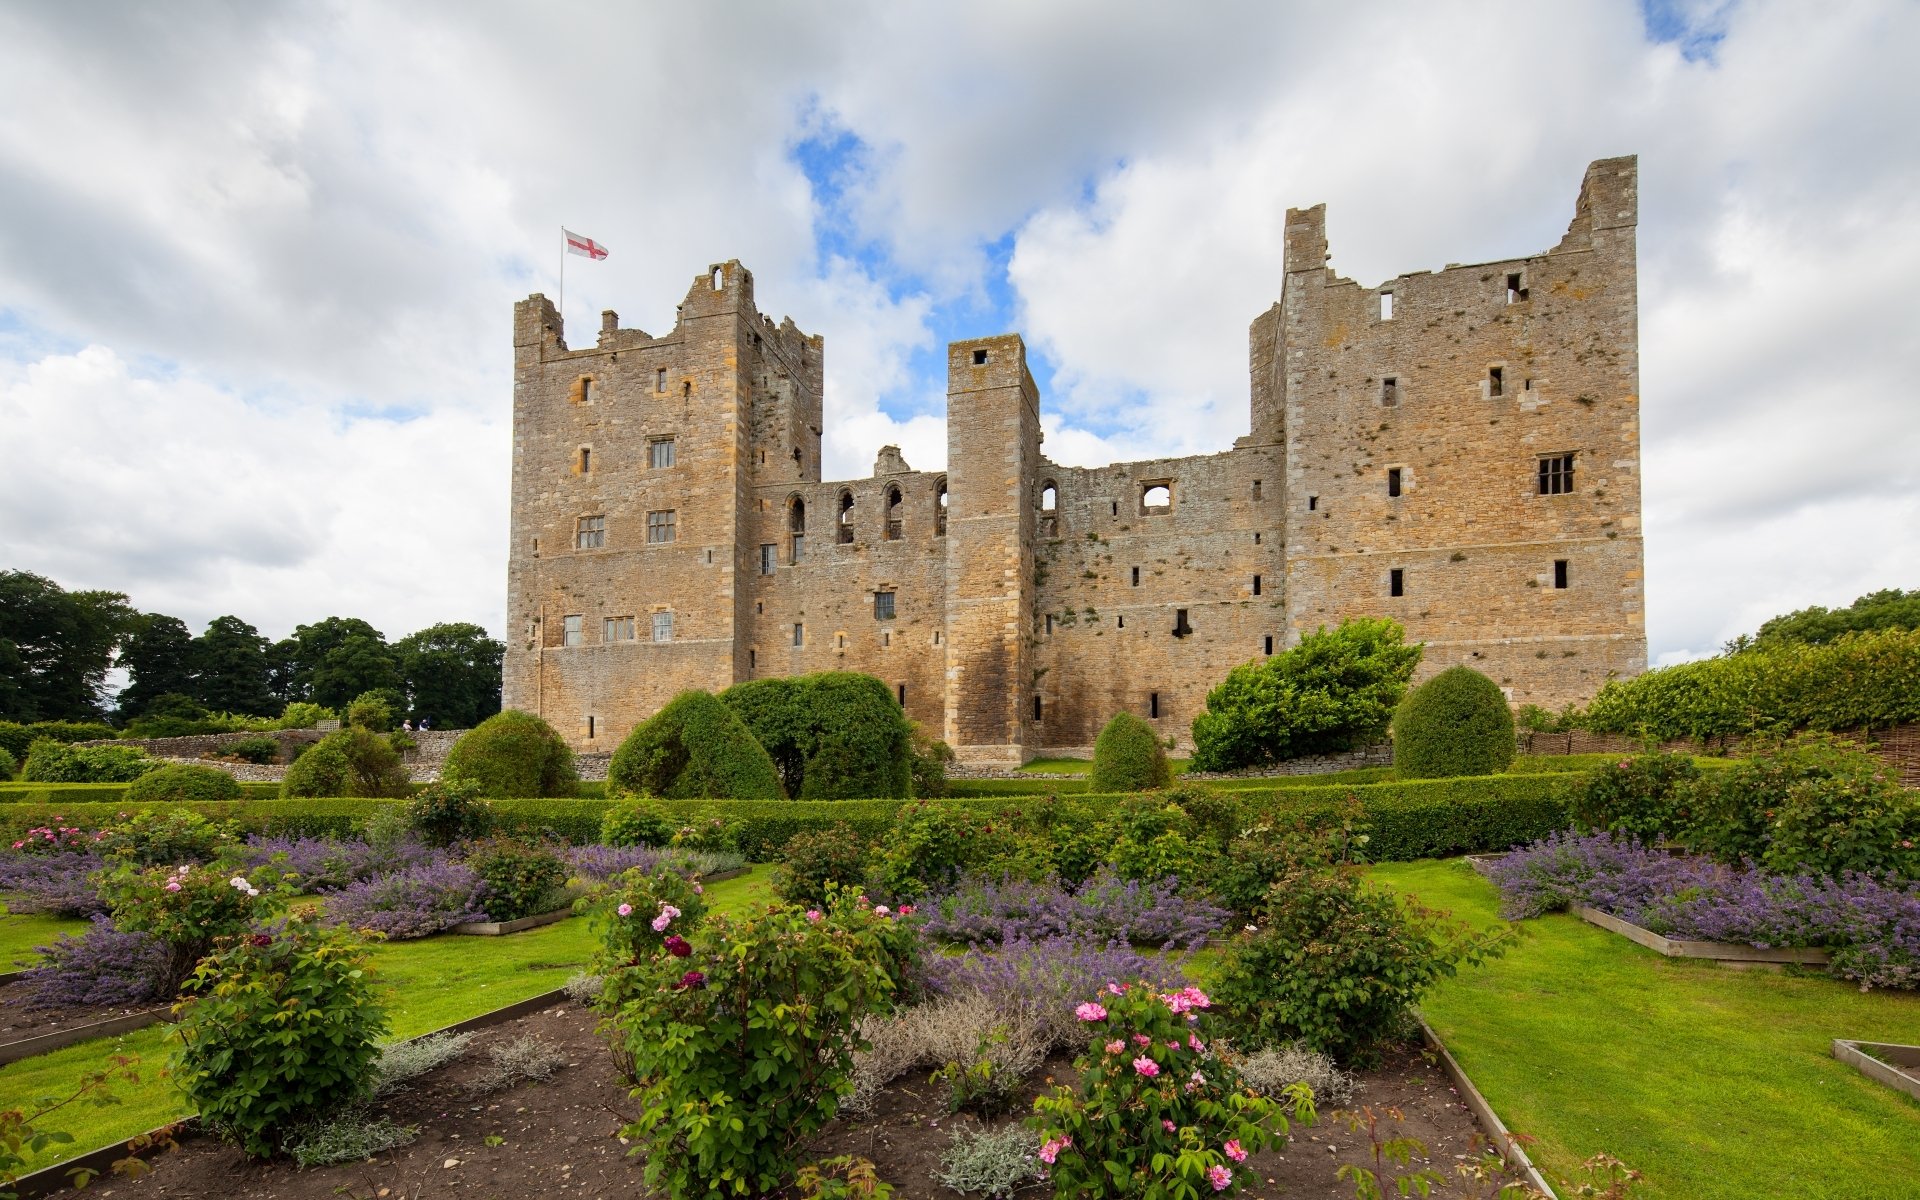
586 247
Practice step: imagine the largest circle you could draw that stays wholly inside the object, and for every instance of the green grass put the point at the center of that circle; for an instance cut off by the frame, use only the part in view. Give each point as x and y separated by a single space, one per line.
1084 766
1714 1082
21 932
429 984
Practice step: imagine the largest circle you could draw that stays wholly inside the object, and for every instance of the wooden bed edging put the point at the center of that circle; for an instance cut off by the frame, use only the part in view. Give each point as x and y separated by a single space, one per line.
1489 1121
498 928
48 1180
1901 1074
1728 953
60 1039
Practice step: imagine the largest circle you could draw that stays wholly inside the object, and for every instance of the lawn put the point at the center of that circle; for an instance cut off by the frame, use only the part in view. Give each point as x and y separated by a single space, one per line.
429 984
1714 1082
21 932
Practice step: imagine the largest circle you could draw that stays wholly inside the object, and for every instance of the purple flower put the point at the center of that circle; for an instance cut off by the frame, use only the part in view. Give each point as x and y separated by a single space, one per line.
678 946
690 980
982 910
414 901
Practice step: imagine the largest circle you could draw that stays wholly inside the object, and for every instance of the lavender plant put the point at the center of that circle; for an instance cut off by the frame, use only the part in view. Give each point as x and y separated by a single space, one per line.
102 966
1104 908
425 898
1041 980
326 865
52 883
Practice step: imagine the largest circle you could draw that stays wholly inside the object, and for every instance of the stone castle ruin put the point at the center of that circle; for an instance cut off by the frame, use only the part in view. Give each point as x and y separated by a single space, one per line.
1457 450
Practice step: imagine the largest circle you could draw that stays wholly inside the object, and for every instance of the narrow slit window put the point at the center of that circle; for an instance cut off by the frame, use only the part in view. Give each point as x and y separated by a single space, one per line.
900 694
799 634
1180 627
1256 537
586 460
1136 577
1393 481
1269 645
1390 392
1036 708
1556 475
1049 624
660 380
589 728
1256 489
586 389
1495 381
1123 622
1153 705
1313 503
940 509
1256 585
1386 306
1116 508
1560 573
753 658
1397 582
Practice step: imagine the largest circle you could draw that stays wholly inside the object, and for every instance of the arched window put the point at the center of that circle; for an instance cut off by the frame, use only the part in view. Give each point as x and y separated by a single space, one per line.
1158 497
940 508
1049 509
845 534
797 528
893 514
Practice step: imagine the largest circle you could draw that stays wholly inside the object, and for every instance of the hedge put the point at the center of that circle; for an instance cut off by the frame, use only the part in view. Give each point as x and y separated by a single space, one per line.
105 793
1455 724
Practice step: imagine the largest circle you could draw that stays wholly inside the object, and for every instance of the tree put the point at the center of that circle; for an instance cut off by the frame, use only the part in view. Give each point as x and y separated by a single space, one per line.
1457 723
1335 691
337 659
230 669
1889 608
158 657
55 648
452 673
835 735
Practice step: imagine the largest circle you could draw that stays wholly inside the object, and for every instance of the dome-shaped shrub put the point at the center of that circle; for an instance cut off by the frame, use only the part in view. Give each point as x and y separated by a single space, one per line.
834 735
183 782
1127 757
514 755
1456 723
694 748
8 767
351 762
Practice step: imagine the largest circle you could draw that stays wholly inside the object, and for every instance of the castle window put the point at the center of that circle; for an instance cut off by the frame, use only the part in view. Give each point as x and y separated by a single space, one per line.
1515 291
1256 585
1116 508
1495 381
1386 306
1269 644
536 547
1313 503
1157 498
841 639
1397 582
886 638
686 391
1136 577
572 631
937 637
1049 624
1180 627
616 629
844 531
797 526
1123 622
589 728
1153 705
979 358
900 693
663 627
719 279
1256 537
1560 573
590 533
894 523
1556 475
1390 392
753 658
1049 496
1256 489
1036 707
940 509
660 380
883 606
799 634
769 558
586 460
586 389
660 527
1393 481
660 453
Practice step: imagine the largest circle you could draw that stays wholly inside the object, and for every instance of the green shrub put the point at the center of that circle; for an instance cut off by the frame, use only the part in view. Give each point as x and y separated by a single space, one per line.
402 742
1646 796
513 754
520 879
1335 691
74 731
183 781
452 810
302 715
662 895
372 711
923 851
929 763
16 739
258 750
9 766
166 836
350 762
814 860
1128 757
695 747
644 824
1456 723
282 1029
190 907
717 834
49 761
834 735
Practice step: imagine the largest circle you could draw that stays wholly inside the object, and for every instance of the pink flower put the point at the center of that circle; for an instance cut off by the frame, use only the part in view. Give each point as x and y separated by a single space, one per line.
1146 1066
1115 989
1167 1125
1195 1044
1220 1177
1141 1039
813 914
17 845
173 887
625 910
1090 1012
1234 1151
669 911
698 890
864 901
1116 1047
883 910
1053 1146
660 923
906 910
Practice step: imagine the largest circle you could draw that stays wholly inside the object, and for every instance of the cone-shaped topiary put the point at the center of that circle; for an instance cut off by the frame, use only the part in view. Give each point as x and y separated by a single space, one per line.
1127 757
513 755
834 735
1456 723
181 782
694 748
351 762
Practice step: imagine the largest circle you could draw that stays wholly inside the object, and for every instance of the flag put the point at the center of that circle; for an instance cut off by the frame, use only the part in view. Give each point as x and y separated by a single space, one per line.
586 247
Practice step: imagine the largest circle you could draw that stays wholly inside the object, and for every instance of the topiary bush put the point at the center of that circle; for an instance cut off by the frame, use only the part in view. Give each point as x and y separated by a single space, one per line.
9 766
49 761
834 735
350 762
1128 757
179 782
694 748
1457 723
514 754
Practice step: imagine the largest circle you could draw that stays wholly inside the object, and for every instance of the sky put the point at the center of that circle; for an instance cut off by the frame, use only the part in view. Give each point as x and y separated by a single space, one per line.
258 261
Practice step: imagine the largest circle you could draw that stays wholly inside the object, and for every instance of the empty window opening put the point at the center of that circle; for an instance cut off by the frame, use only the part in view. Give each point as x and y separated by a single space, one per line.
895 525
1313 502
1386 306
936 637
759 607
1397 582
886 637
1516 292
660 453
1256 489
586 389
663 627
1560 572
589 728
1269 644
586 460
686 391
799 634
616 629
1136 577
1049 624
1049 496
719 279
709 556
1158 496
1256 585
1556 475
1116 508
1123 622
572 632
796 456
1036 708
979 358
797 527
660 380
1180 627
1153 705
536 547
763 461
940 509
1393 481
1495 377
661 527
841 639
590 533
769 558
900 693
753 658
1256 537
883 606
1390 392
844 532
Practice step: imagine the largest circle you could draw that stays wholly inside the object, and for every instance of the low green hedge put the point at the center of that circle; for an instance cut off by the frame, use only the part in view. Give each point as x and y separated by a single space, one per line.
103 793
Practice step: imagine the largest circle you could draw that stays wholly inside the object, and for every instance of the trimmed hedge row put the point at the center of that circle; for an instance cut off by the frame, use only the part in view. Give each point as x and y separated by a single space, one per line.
103 793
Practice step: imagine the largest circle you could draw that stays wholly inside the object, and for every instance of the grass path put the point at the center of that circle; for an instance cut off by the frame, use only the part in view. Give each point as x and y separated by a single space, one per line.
428 984
1714 1082
21 932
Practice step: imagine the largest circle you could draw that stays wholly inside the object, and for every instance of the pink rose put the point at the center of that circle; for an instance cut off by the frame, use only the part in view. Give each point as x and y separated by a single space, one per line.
1116 1047
698 890
1090 1012
1146 1066
1115 989
660 923
883 910
1220 1177
813 915
1052 1148
1141 1039
1167 1125
1234 1151
173 887
906 910
625 910
1195 1044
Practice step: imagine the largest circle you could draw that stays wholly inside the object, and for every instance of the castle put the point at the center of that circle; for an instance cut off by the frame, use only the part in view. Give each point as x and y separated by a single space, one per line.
1458 450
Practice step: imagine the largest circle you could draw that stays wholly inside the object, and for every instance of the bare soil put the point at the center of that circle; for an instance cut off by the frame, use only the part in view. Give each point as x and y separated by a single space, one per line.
18 1023
561 1138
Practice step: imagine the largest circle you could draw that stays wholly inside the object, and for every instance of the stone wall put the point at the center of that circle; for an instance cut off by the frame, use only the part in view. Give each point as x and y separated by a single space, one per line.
195 745
1898 746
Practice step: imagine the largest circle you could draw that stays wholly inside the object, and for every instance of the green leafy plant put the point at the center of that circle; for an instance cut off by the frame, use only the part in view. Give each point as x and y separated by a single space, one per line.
834 735
452 810
280 1029
639 824
372 711
930 757
179 782
9 767
1369 1183
922 852
1457 723
520 879
50 761
513 754
1646 796
189 907
349 762
846 1177
993 1162
160 836
1128 757
22 1137
623 912
814 861
260 750
693 747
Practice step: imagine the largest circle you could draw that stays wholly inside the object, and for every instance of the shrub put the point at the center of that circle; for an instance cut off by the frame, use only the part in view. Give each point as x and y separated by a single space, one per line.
9 766
597 863
966 1030
636 825
328 864
74 731
1128 757
402 1062
1105 907
834 735
994 1162
813 861
16 739
402 742
299 714
513 754
1335 964
452 810
715 835
1644 797
928 764
413 902
624 911
1039 982
371 711
176 782
257 750
189 907
349 1137
103 966
1276 1068
1156 1114
923 851
56 883
1335 691
744 1048
166 836
282 1029
49 761
349 762
517 879
523 1058
1456 723
695 747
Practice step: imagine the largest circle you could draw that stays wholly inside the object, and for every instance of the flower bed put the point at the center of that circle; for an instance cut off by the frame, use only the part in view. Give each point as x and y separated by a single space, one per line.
1105 907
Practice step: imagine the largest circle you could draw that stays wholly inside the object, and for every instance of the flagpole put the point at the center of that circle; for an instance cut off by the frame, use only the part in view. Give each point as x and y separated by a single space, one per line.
563 276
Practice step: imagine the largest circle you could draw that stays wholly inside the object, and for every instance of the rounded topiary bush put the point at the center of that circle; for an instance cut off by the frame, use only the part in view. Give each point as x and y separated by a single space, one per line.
514 755
833 735
694 748
183 782
1128 757
8 767
351 762
1456 723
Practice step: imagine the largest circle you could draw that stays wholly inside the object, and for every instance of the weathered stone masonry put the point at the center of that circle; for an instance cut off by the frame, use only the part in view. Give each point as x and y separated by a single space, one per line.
1456 449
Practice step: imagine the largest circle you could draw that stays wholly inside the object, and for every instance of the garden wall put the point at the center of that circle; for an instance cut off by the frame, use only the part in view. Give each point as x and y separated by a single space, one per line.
1898 746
